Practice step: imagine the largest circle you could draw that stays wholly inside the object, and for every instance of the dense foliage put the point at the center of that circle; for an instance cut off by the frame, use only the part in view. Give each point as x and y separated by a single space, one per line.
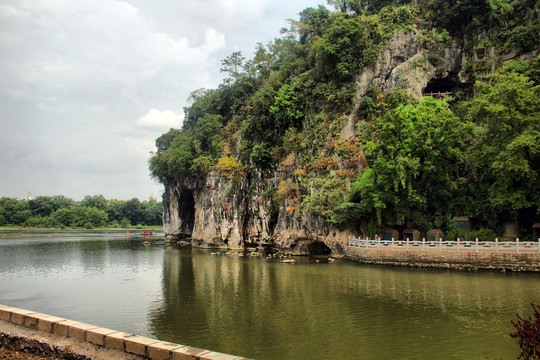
409 162
93 211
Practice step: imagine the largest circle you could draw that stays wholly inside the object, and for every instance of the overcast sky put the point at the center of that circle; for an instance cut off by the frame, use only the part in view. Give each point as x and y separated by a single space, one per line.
87 86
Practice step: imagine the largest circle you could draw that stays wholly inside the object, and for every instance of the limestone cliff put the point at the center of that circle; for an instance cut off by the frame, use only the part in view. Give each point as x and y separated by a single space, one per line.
219 212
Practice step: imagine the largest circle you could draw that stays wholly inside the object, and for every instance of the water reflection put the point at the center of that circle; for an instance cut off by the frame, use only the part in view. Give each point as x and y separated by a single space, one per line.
262 308
268 310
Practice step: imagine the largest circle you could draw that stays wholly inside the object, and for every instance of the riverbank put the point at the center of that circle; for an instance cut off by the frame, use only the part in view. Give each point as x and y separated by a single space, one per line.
54 337
465 260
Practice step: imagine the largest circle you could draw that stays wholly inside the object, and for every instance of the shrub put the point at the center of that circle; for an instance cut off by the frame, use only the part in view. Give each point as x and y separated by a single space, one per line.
261 157
287 189
435 60
528 335
229 167
125 223
525 38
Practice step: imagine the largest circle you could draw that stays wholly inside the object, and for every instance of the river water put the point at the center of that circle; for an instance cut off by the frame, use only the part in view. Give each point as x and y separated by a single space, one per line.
264 309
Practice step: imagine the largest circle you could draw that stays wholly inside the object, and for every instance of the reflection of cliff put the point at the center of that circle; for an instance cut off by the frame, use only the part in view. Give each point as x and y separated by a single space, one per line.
179 312
264 309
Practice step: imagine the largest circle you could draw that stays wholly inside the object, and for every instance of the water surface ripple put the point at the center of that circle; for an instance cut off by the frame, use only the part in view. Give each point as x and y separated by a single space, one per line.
261 308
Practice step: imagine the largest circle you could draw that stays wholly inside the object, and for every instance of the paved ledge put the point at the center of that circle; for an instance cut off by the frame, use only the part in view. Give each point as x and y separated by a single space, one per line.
51 335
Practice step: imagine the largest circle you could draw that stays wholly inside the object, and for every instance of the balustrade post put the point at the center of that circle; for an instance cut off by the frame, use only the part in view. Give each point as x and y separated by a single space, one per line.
476 244
457 244
440 244
496 245
423 243
517 245
393 243
407 240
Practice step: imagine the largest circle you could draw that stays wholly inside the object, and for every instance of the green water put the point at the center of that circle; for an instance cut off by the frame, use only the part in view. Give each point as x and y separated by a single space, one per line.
260 308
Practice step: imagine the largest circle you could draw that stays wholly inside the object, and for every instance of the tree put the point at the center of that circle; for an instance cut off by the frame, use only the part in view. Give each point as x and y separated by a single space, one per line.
233 65
313 22
14 212
133 211
152 212
413 165
207 134
347 6
262 62
287 108
95 201
349 45
506 153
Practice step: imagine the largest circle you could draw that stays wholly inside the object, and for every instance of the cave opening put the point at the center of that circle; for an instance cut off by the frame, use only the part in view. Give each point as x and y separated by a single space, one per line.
186 210
318 248
442 86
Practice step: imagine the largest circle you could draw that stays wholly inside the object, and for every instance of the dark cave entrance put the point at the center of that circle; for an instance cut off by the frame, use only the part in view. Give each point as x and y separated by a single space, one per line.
186 211
438 87
318 248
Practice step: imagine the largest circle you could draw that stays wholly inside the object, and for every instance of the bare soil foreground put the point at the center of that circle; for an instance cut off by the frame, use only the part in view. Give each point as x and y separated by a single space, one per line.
6 354
19 342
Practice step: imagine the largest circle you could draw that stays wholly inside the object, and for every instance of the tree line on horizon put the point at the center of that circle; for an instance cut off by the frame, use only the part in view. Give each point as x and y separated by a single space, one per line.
93 211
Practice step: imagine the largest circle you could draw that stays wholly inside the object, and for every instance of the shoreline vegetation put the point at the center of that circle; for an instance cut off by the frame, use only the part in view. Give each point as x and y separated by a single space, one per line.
93 212
38 231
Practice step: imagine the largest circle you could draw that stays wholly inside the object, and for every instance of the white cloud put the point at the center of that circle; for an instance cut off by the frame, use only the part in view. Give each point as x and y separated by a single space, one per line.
213 40
163 120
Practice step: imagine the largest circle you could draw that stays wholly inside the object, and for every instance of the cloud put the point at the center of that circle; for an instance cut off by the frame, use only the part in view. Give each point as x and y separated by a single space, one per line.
79 78
163 120
214 40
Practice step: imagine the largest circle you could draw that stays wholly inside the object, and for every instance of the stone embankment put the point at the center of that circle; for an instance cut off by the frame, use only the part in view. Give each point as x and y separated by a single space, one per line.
469 260
46 335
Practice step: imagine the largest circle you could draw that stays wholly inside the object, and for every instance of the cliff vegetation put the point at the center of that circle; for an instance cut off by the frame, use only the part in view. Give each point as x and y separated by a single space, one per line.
369 115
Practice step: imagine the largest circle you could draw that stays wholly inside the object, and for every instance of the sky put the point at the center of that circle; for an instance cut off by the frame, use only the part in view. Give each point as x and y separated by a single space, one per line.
87 86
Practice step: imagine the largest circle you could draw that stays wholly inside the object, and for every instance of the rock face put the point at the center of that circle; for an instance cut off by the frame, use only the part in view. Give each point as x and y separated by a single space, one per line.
218 212
228 213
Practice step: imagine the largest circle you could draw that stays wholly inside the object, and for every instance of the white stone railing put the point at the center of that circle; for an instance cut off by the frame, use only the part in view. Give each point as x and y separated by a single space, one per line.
459 245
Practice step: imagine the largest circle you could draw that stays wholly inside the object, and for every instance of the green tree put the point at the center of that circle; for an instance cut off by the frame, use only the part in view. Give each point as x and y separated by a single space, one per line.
207 134
414 164
287 109
14 212
132 210
96 201
115 210
234 66
506 154
349 45
152 212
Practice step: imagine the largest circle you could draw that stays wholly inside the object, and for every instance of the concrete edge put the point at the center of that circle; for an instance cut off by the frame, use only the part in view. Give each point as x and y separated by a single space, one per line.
107 338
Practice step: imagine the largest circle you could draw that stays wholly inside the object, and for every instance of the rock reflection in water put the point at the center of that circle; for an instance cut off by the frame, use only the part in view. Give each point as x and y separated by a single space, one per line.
267 310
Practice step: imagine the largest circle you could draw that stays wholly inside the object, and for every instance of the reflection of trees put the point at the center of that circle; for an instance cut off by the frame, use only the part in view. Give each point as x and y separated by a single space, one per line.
264 309
93 255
